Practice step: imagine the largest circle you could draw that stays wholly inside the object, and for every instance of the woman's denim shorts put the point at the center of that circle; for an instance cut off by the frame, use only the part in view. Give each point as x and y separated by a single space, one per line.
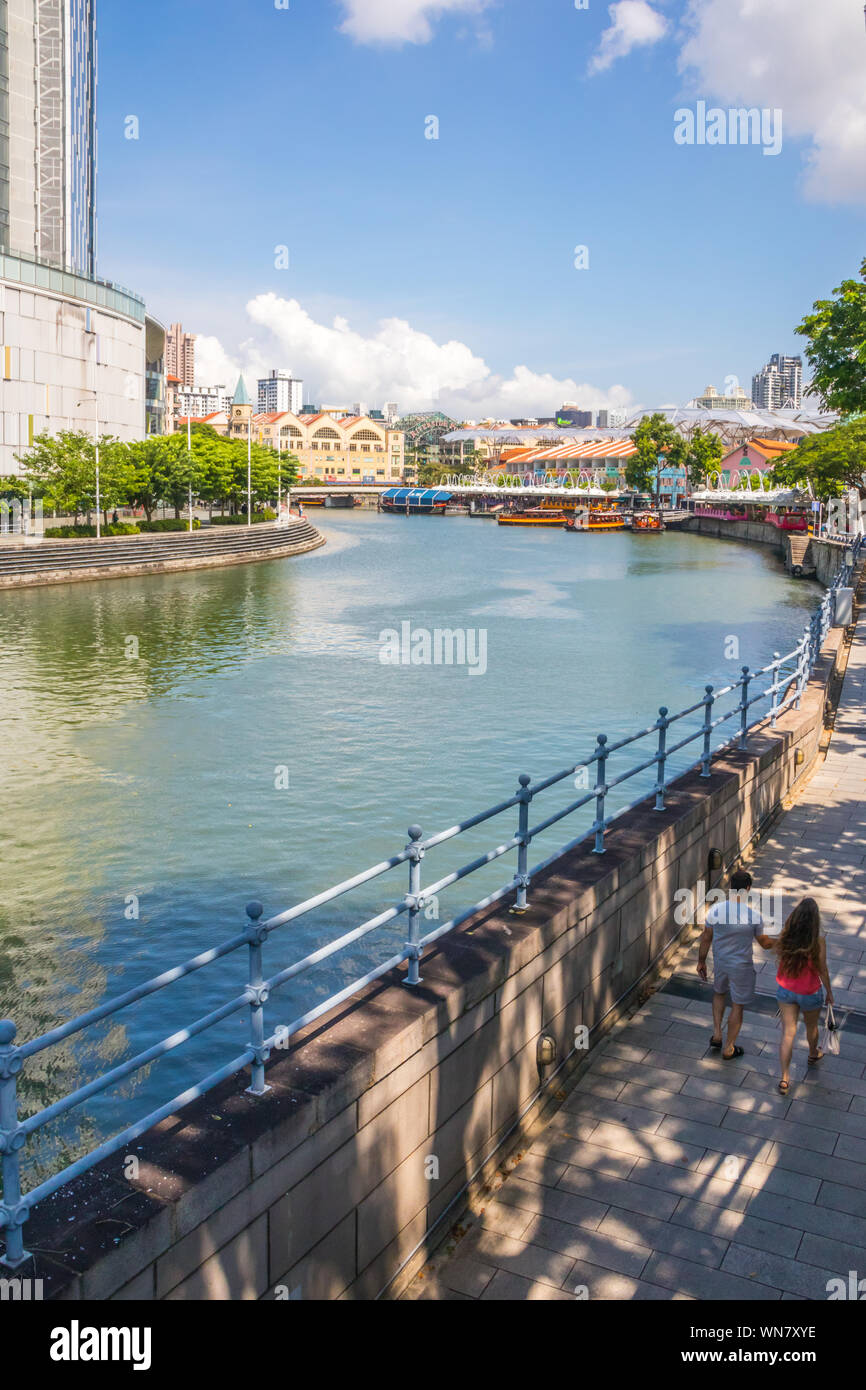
806 1001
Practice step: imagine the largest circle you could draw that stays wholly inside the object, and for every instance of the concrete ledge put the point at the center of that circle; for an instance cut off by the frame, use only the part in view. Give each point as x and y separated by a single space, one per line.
333 1184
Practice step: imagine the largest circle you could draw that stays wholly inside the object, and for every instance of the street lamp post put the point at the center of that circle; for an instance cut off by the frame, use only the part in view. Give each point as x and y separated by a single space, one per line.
189 461
250 471
96 444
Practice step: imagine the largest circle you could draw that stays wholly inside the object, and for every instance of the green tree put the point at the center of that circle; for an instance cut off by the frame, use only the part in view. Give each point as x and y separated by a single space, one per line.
831 461
653 437
836 348
701 456
63 467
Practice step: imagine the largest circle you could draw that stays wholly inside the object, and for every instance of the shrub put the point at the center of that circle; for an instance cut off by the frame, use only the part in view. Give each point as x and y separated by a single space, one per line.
169 523
241 518
83 532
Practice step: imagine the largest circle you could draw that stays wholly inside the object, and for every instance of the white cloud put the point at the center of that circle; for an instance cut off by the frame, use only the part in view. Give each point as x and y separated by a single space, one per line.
633 24
400 21
801 56
394 363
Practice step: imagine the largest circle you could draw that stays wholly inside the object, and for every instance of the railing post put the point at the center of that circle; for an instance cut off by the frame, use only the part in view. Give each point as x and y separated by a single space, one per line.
662 726
744 709
257 995
13 1213
413 898
708 729
521 878
600 789
775 688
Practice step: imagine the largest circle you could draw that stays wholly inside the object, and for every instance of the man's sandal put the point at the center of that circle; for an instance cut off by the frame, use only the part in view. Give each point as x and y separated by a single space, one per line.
716 1046
737 1052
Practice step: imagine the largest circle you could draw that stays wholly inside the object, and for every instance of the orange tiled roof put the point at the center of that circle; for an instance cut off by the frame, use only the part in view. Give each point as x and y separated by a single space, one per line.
768 447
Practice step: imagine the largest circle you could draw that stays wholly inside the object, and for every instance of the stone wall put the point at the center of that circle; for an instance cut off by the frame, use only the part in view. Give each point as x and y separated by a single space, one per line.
338 1182
757 532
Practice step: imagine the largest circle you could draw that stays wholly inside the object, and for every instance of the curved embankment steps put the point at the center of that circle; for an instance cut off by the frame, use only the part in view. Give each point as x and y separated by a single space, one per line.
60 561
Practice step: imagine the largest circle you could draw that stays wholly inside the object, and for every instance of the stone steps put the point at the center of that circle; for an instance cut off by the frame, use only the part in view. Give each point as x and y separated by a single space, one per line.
87 554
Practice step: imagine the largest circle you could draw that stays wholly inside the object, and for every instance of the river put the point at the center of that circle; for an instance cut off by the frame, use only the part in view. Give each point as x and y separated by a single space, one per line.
176 745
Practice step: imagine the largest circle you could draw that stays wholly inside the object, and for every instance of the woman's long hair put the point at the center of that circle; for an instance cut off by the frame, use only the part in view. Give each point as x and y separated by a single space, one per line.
799 941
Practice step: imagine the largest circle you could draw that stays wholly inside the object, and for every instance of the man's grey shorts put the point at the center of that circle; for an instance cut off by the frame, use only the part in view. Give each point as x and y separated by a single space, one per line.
739 981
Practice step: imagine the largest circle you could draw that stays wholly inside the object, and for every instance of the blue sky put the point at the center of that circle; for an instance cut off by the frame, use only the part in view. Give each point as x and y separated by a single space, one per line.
281 128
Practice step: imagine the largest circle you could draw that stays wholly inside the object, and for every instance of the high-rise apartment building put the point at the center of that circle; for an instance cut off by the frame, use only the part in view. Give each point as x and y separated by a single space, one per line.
779 383
280 391
76 352
180 355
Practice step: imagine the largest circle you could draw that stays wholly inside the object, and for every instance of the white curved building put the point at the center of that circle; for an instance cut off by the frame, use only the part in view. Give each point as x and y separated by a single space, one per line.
74 349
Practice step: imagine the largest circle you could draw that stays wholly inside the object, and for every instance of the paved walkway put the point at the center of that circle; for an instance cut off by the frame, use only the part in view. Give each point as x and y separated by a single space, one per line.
669 1173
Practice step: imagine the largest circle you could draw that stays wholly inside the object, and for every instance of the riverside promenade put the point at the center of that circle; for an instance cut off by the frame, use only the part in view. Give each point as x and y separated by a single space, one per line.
668 1173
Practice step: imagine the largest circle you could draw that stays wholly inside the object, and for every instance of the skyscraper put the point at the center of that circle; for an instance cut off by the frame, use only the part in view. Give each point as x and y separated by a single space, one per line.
180 355
779 383
48 131
78 353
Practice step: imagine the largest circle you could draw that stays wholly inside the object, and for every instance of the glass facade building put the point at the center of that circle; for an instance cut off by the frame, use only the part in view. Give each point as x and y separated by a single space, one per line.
48 132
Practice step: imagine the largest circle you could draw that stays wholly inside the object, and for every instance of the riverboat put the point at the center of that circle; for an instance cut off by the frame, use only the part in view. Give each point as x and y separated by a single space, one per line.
533 516
596 519
647 523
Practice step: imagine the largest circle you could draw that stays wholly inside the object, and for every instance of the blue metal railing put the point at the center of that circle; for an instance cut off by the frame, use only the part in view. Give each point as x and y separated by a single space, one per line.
787 677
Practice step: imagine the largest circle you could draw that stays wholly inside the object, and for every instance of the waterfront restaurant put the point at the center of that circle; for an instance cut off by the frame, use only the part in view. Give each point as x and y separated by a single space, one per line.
601 455
757 456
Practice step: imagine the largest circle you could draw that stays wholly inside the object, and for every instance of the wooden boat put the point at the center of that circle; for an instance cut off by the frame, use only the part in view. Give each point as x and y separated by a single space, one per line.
596 519
550 513
647 523
534 516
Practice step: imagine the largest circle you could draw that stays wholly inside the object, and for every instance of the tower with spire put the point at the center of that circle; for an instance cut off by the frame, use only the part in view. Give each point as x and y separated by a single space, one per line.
242 410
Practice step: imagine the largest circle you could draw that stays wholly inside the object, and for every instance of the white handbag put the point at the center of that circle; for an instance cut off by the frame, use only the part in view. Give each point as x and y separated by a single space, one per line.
830 1036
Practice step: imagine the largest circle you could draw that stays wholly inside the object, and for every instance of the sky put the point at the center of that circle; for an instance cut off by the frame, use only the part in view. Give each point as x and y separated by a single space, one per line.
488 207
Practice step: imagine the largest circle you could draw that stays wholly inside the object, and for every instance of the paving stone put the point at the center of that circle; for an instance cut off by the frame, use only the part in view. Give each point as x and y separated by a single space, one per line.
842 1198
511 1288
793 1276
579 1209
602 1108
598 1247
688 1182
507 1220
735 1225
643 1144
704 1283
586 1155
762 1177
849 1172
633 1196
807 1216
787 1131
662 1235
674 1103
714 1137
464 1275
517 1257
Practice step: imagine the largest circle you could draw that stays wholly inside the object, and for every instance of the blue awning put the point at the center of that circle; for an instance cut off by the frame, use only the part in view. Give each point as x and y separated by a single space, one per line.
417 496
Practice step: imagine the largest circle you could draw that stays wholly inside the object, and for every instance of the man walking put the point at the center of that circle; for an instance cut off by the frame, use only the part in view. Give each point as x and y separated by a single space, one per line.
730 928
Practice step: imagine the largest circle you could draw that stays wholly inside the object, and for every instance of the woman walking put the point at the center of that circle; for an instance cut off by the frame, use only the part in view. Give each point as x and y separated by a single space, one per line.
802 982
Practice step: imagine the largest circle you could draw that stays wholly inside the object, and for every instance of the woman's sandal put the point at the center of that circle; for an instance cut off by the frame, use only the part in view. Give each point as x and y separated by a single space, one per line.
783 1087
814 1060
737 1052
